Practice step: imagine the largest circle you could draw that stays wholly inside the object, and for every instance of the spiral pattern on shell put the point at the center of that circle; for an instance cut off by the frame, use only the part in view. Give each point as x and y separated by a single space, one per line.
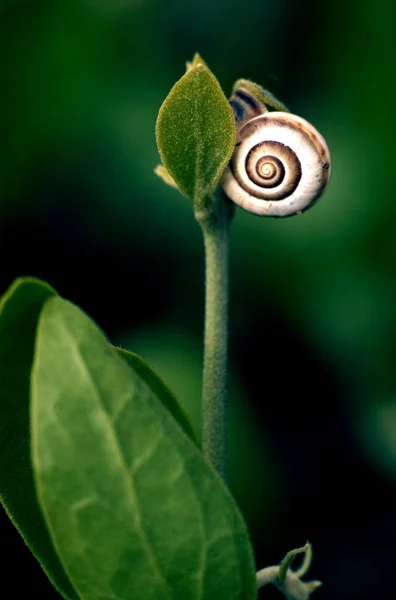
280 166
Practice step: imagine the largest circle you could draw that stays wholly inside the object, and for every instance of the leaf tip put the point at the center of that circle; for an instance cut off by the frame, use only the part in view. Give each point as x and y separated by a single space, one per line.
196 61
163 173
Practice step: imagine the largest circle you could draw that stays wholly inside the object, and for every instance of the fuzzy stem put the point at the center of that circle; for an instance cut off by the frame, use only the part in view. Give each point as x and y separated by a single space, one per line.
214 394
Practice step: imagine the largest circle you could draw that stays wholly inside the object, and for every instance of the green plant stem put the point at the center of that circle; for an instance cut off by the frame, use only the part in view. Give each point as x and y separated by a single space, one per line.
214 386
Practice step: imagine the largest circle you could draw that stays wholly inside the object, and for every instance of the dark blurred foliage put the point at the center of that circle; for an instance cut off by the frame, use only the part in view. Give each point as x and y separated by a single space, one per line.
313 298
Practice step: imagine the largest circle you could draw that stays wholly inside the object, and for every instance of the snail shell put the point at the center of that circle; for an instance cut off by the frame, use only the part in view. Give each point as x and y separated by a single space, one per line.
281 163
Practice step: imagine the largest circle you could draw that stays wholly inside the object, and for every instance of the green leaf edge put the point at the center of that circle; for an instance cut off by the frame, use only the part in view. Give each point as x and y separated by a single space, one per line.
61 584
159 388
265 96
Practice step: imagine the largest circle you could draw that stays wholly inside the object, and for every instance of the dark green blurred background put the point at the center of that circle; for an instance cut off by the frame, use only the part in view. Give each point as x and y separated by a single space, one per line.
313 298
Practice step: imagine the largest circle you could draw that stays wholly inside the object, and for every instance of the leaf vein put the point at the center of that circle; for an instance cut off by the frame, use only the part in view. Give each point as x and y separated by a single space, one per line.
84 368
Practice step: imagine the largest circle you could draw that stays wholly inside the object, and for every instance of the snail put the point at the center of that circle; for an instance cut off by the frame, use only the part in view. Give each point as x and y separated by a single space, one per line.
281 163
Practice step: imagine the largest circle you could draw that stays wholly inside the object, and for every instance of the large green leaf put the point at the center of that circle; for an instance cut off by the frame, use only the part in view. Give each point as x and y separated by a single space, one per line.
158 387
133 509
196 132
19 312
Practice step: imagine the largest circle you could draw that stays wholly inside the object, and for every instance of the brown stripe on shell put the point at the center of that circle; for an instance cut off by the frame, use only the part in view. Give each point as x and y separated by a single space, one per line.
289 175
269 171
248 127
252 126
245 106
